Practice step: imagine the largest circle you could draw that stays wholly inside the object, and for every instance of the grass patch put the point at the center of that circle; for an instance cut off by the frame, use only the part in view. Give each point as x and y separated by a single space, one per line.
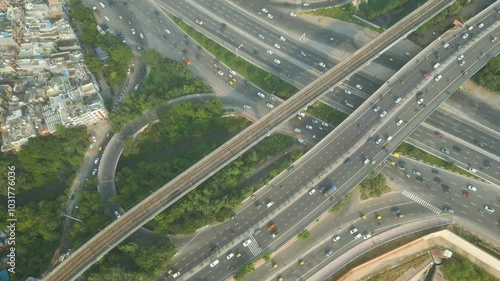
304 235
266 81
491 249
340 205
393 272
460 268
343 13
373 186
418 154
327 113
244 271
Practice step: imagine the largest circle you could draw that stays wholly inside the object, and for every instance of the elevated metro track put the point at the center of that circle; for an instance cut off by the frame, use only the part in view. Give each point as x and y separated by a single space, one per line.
154 204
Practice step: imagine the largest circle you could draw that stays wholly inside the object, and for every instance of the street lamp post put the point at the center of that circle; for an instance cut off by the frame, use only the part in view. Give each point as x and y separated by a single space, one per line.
238 49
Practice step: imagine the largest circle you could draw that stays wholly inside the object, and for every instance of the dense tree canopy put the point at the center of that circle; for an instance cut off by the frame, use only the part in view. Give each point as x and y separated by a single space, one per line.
489 75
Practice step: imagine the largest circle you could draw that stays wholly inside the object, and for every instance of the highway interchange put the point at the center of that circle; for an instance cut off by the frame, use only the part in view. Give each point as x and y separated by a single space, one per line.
294 182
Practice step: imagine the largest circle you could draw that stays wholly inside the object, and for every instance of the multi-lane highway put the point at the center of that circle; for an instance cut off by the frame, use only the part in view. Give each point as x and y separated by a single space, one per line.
157 202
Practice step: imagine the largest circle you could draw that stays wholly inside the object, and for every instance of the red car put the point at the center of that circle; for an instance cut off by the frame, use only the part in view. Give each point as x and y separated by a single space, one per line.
467 194
426 74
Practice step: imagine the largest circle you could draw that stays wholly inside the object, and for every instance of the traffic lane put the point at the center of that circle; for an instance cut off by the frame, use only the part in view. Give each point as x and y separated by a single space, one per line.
473 135
114 13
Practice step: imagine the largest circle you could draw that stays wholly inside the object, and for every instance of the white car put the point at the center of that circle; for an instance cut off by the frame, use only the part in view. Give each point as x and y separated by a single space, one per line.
379 140
282 38
175 275
383 113
312 191
277 46
302 114
277 61
376 108
304 53
270 16
367 236
462 63
264 10
245 106
133 31
465 36
460 57
306 4
247 242
94 172
399 122
94 8
359 87
367 160
322 64
336 238
420 101
489 209
309 127
198 21
481 25
214 263
220 73
261 36
260 94
96 160
493 39
438 77
270 105
472 170
473 188
347 92
436 65
269 51
117 215
354 230
140 35
230 256
324 124
357 236
293 14
398 100
102 4
136 87
167 31
232 72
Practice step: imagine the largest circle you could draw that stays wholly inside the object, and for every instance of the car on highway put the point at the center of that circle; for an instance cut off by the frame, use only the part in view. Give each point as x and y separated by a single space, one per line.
96 160
353 230
493 39
489 208
199 22
220 72
117 215
230 256
322 64
347 161
102 5
448 210
324 124
270 105
261 36
282 38
420 101
359 87
383 113
398 100
465 36
306 4
336 238
246 106
438 77
260 94
247 242
460 57
367 236
416 172
357 236
425 74
293 14
347 92
457 148
232 72
136 87
312 191
214 263
472 170
271 227
133 31
399 122
376 108
467 194
140 35
487 163
177 274
303 53
270 203
329 253
274 234
401 166
462 63
264 10
378 141
269 51
94 172
367 160
309 127
445 150
277 61
471 187
270 16
277 46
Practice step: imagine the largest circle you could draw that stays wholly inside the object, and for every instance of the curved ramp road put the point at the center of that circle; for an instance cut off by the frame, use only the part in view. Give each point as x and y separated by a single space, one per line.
116 232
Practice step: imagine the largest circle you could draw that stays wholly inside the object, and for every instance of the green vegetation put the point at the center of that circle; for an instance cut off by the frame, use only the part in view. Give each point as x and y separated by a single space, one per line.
38 167
418 154
489 76
394 271
167 79
374 8
326 113
131 261
120 55
244 271
304 235
343 13
266 256
261 78
460 269
373 186
490 248
340 205
446 14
